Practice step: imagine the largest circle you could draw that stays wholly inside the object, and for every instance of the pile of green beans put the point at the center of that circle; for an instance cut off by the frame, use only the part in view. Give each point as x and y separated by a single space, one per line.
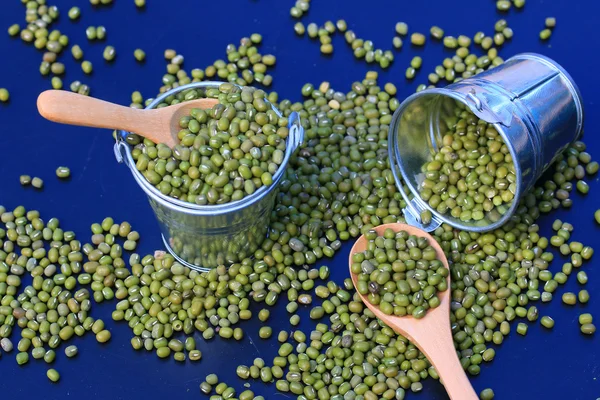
365 49
400 273
323 33
39 18
473 172
338 186
106 268
225 153
361 48
496 276
464 63
51 310
244 66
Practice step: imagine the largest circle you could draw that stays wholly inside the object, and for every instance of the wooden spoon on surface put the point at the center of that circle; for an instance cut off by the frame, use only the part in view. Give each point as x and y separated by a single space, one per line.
431 334
160 125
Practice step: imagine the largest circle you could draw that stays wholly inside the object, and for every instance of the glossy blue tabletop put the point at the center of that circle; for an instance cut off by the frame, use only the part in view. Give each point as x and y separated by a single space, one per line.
558 364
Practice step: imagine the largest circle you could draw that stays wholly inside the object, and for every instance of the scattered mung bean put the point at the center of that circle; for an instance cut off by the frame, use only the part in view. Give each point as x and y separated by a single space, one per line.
53 375
37 183
4 95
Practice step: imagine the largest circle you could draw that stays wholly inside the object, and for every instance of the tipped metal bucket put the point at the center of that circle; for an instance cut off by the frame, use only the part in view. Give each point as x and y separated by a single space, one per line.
531 101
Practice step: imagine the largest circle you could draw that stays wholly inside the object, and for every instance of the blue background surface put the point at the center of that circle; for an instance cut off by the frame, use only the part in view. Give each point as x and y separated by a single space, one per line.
562 364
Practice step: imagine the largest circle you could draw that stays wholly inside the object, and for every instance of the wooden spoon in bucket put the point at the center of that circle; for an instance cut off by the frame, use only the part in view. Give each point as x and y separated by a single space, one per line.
160 125
431 334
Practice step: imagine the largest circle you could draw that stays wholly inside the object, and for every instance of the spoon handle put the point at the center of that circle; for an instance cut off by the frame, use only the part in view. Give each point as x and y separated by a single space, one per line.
75 109
437 345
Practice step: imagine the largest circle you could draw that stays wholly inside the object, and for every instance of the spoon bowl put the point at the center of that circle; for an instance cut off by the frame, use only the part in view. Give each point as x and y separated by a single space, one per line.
431 334
160 125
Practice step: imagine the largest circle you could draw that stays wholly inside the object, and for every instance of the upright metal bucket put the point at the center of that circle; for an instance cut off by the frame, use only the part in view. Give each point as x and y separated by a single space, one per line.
531 101
204 237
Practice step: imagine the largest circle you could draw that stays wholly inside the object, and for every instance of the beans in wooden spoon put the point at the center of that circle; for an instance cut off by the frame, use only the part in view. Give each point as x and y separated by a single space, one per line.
431 334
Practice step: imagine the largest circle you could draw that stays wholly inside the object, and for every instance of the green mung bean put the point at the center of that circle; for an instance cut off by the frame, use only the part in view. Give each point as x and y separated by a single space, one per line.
299 28
6 345
74 13
212 379
522 329
341 25
547 322
550 22
25 180
71 351
139 55
486 394
416 62
109 53
100 33
417 39
49 356
53 375
37 183
397 42
265 332
327 48
103 336
436 32
503 5
4 95
14 30
586 318
545 34
450 42
582 187
22 358
56 83
401 28
588 329
63 172
91 32
569 298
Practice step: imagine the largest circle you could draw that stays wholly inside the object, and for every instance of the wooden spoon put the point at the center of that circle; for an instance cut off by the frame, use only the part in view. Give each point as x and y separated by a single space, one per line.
160 125
431 334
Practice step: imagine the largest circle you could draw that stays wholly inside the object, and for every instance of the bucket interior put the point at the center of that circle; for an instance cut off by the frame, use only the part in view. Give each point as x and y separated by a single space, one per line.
418 135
